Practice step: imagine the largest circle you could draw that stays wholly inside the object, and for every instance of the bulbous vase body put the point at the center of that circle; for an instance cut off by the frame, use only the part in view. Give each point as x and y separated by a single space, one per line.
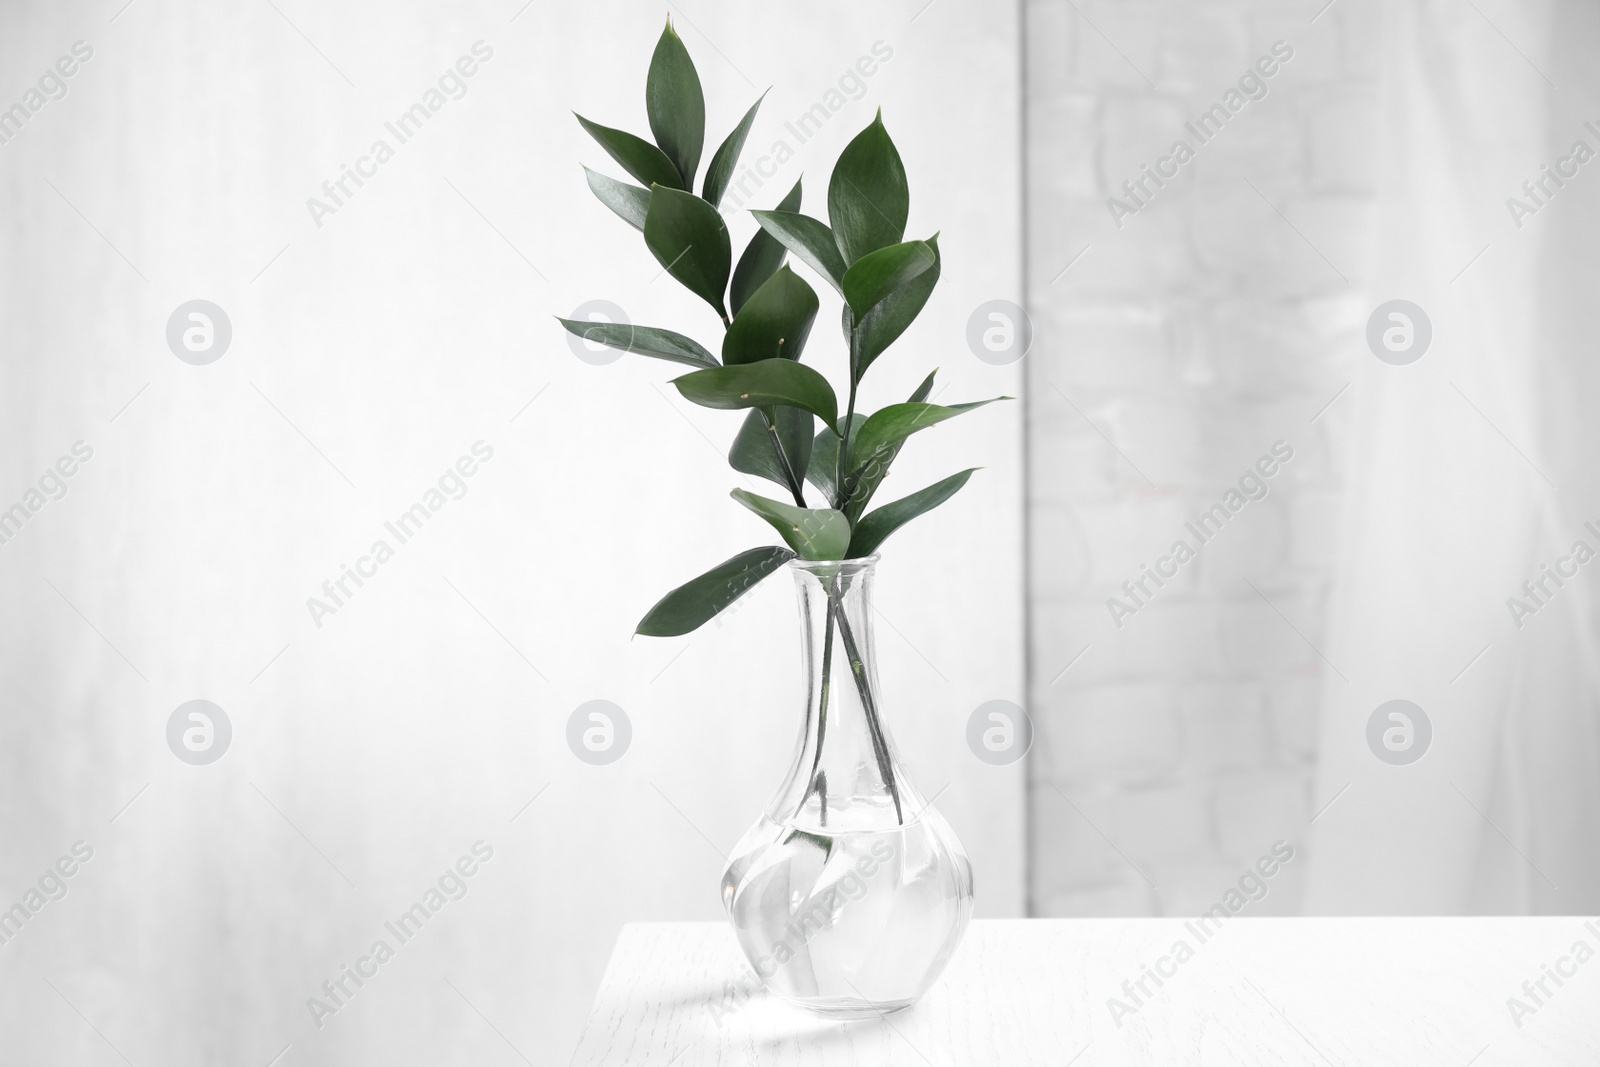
851 892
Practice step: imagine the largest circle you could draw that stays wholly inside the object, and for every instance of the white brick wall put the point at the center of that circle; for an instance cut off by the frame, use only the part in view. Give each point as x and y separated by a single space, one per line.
1193 337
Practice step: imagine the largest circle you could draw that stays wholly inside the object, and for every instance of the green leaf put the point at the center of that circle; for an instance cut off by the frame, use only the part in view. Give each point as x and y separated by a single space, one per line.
884 324
878 443
807 238
814 533
821 841
630 202
637 156
762 256
824 464
645 340
868 199
774 322
675 105
878 274
720 171
755 452
689 239
759 385
825 454
891 425
692 604
871 531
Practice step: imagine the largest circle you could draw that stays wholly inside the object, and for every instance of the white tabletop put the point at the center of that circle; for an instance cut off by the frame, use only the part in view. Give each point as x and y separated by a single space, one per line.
1317 992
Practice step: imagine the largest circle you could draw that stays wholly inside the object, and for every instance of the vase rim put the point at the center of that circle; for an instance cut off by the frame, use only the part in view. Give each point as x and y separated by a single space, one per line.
831 567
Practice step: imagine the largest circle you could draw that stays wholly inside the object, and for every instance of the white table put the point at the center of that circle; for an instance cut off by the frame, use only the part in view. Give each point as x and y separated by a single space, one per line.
1428 992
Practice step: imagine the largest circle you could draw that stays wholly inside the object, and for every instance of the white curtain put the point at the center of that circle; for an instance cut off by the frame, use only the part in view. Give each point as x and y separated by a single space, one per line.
1466 472
368 354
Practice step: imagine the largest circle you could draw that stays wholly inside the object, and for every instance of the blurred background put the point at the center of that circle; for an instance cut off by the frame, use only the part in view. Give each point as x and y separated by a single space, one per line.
1184 323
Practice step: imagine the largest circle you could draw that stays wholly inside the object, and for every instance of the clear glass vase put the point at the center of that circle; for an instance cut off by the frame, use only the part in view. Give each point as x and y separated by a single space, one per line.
851 892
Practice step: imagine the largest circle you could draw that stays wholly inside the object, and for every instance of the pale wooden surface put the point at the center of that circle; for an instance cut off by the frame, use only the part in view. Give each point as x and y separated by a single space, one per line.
1314 992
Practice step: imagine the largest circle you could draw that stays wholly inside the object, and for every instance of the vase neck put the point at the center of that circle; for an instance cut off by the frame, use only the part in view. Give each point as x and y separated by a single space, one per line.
847 774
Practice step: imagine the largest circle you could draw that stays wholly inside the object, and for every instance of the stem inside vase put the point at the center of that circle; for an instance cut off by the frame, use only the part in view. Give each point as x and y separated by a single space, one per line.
864 687
840 902
836 617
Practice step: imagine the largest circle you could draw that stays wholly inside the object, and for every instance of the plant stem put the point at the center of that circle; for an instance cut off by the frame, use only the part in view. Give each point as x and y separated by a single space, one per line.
880 748
796 484
844 441
822 708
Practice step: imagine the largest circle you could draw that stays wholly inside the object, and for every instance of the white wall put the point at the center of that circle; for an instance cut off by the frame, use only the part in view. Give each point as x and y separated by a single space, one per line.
1170 357
416 321
1230 312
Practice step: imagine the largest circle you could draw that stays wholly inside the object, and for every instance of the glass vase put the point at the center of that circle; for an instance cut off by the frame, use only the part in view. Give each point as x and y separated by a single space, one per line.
851 892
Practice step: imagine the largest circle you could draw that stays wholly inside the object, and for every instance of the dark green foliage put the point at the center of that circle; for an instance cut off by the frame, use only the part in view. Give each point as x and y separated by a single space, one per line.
767 312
